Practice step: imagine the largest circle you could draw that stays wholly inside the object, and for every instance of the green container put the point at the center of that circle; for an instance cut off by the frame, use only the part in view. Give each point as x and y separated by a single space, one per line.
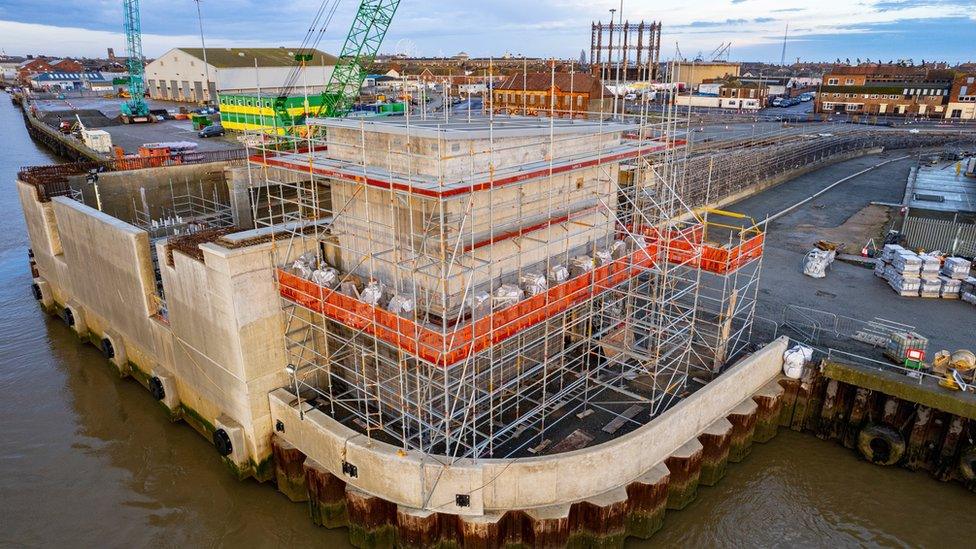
200 121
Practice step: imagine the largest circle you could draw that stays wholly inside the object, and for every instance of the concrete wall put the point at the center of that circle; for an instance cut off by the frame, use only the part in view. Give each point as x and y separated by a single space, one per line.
220 345
453 158
431 482
423 234
120 193
697 101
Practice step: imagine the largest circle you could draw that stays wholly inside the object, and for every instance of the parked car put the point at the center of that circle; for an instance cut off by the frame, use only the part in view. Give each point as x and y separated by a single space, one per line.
630 97
806 97
212 131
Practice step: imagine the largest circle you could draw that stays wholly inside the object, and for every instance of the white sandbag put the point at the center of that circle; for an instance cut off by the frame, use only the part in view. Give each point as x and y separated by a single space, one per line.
816 262
794 359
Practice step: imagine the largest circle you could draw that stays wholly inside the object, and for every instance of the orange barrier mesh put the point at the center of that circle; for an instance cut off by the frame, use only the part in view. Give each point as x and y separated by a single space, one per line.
447 348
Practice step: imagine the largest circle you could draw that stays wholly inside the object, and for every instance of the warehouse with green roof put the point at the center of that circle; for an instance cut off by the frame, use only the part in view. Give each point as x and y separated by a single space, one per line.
182 75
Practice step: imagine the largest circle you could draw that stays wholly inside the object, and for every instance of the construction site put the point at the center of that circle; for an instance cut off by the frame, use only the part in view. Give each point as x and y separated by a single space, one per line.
443 328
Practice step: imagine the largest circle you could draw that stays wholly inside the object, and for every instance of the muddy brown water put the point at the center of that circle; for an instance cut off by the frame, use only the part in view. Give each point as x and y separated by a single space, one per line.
88 459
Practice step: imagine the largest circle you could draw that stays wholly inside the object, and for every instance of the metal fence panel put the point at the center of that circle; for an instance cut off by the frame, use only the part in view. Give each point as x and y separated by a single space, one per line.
940 234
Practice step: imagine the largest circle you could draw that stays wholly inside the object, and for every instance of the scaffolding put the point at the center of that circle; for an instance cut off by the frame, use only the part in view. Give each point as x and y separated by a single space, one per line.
187 210
490 286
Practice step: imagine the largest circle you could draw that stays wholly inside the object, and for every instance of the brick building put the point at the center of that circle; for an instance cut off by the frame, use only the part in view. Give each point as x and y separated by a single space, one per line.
962 98
885 90
565 95
736 94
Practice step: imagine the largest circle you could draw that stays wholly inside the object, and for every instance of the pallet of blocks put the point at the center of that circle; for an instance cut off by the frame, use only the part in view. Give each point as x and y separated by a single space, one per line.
904 273
967 290
930 285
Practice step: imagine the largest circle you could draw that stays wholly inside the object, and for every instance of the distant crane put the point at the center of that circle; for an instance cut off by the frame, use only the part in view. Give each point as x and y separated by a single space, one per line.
135 109
722 49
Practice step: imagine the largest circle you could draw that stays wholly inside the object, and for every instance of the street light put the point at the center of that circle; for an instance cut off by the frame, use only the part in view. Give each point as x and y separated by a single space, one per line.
203 45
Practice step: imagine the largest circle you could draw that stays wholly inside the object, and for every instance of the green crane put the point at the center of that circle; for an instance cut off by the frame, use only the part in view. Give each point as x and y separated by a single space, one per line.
372 20
135 109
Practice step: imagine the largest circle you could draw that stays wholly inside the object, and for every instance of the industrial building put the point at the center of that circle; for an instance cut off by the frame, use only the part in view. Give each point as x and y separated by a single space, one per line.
693 73
181 74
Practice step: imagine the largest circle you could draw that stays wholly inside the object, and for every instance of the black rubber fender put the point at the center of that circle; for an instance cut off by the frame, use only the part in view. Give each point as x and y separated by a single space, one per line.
881 444
36 291
156 388
68 317
222 442
107 348
967 464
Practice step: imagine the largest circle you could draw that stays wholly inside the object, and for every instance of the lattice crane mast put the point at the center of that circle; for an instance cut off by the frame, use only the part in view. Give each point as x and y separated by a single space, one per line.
135 109
362 43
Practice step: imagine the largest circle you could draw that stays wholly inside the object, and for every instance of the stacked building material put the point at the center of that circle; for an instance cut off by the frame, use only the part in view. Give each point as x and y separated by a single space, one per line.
903 273
957 268
931 286
967 290
949 287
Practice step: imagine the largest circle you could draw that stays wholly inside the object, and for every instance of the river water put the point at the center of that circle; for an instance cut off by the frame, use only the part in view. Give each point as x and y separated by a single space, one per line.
87 459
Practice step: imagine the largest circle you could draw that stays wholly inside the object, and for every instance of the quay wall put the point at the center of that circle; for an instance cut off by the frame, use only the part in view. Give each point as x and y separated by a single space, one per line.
886 417
595 496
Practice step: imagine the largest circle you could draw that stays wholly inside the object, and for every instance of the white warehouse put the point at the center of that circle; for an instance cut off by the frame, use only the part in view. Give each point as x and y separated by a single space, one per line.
181 75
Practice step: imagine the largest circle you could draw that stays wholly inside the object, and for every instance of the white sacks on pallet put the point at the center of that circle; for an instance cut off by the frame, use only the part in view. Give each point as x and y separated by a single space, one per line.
889 251
957 268
507 295
930 288
794 359
816 262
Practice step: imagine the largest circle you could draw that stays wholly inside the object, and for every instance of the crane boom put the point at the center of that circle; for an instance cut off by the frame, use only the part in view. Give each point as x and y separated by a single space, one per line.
373 19
136 106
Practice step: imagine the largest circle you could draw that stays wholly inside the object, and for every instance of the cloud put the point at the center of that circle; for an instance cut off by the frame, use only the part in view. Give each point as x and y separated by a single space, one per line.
540 27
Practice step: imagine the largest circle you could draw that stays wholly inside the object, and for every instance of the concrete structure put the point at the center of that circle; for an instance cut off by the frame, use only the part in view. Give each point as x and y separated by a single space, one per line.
201 329
180 74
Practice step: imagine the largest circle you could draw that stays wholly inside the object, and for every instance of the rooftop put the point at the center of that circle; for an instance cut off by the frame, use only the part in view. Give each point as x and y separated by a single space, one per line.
478 128
940 188
226 58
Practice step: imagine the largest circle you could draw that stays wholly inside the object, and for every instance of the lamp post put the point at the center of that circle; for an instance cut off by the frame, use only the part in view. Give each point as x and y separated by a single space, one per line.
203 45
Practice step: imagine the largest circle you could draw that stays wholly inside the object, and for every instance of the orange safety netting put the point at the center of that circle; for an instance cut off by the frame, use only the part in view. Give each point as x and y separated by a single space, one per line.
449 347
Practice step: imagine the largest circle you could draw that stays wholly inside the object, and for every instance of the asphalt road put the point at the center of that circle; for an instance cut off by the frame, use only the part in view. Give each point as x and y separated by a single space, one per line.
848 290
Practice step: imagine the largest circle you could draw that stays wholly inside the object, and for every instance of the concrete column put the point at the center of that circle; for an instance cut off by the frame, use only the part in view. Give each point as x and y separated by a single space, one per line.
417 527
546 526
326 496
855 420
600 521
918 438
769 401
371 520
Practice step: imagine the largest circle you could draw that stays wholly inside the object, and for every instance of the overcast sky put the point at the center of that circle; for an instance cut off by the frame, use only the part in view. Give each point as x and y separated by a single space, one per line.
818 29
